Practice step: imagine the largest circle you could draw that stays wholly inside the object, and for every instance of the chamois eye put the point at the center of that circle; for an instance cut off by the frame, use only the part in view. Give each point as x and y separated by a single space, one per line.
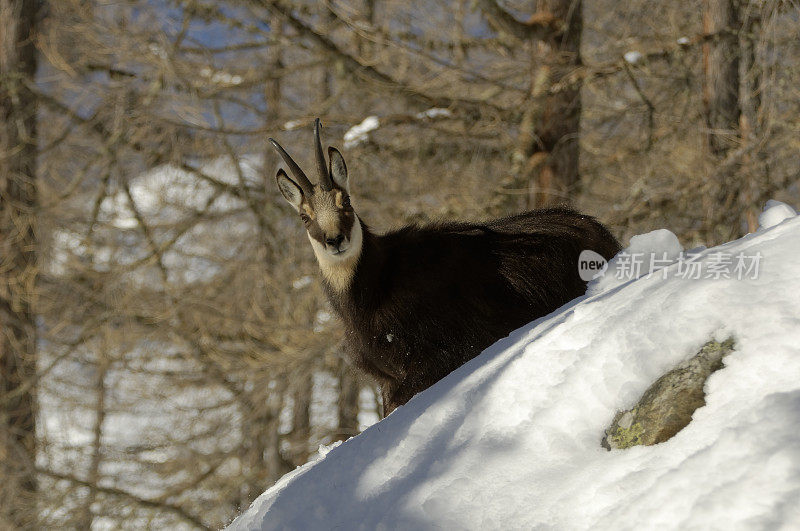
346 202
304 218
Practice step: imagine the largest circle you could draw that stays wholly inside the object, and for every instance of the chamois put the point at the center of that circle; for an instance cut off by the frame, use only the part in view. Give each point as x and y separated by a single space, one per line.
420 301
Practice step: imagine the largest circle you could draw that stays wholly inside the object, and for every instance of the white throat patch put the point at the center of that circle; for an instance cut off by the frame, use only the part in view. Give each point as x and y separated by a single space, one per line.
339 269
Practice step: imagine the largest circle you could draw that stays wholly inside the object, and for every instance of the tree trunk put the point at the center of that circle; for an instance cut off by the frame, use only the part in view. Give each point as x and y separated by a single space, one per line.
263 461
545 167
721 80
18 272
347 408
274 464
85 516
730 99
755 170
557 118
366 48
301 415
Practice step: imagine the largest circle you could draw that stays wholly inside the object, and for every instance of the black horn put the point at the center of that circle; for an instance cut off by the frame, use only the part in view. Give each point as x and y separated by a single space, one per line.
325 180
297 173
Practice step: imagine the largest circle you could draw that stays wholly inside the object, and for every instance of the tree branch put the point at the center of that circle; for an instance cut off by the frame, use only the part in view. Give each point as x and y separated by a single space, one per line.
154 504
373 75
158 158
651 109
539 26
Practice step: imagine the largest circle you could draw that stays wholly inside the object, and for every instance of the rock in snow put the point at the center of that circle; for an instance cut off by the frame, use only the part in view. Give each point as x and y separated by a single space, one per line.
668 405
511 440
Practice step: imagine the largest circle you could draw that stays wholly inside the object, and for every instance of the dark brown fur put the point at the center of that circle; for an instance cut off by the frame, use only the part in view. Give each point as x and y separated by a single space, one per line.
424 300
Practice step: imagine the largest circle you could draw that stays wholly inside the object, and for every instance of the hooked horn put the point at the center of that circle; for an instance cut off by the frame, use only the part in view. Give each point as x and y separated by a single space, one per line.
325 180
297 173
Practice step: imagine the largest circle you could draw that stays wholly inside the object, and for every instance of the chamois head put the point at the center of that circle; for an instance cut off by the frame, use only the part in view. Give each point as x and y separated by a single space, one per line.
332 226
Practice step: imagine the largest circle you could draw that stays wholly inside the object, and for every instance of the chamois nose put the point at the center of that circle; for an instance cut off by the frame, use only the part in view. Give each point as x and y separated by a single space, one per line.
335 241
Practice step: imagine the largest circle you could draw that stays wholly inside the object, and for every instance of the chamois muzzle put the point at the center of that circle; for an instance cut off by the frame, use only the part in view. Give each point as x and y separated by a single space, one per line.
335 243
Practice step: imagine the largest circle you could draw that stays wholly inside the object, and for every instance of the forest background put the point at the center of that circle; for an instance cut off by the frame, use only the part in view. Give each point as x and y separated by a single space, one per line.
166 352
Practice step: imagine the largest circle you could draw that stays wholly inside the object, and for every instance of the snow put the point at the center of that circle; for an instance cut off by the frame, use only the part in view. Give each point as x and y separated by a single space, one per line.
434 112
358 134
158 51
164 193
632 57
302 282
774 212
166 197
657 241
320 320
323 449
511 440
221 78
657 248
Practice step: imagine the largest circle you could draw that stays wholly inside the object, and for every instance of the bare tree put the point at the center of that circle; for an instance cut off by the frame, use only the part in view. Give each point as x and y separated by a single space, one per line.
185 357
721 57
19 270
732 98
546 157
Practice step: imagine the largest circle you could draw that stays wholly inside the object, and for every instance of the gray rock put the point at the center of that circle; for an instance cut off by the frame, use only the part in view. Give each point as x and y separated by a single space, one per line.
667 405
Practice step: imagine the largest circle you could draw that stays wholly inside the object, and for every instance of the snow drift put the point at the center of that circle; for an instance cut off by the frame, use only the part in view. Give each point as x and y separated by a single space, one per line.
512 439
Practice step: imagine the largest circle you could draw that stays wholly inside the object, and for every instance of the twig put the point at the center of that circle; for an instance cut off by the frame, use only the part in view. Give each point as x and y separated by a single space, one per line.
650 107
113 491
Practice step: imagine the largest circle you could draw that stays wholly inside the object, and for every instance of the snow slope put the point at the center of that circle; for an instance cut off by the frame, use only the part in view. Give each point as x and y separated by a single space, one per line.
511 440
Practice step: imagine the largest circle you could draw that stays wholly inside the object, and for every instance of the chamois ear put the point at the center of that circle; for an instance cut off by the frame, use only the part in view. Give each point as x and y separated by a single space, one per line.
290 190
338 169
